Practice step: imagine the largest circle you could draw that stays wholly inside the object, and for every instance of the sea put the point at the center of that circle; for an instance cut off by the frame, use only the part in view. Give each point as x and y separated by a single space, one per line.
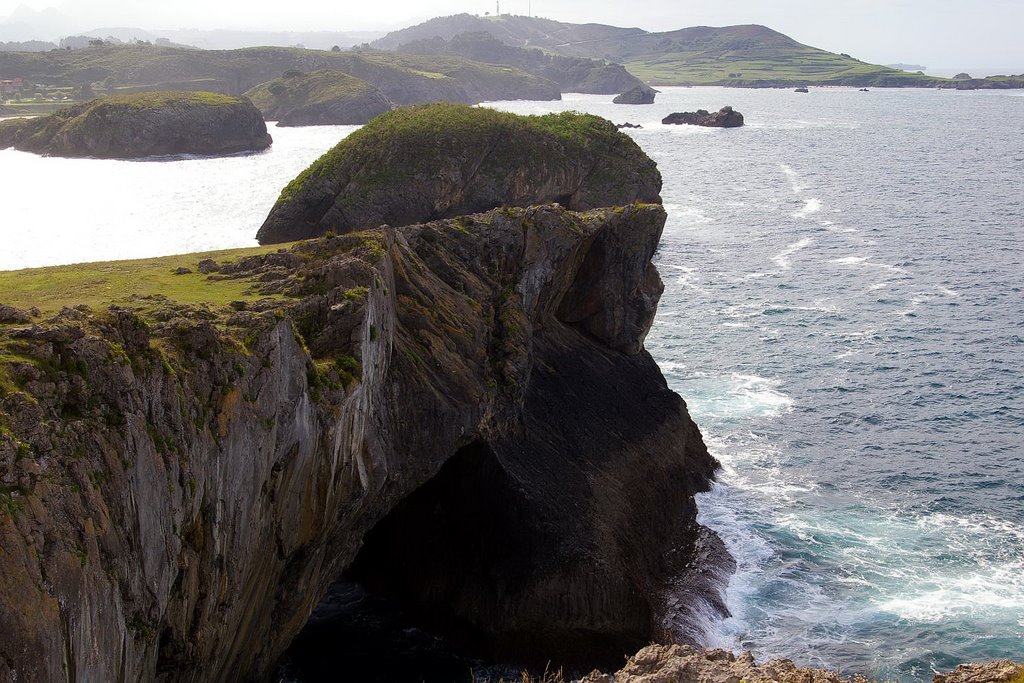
843 313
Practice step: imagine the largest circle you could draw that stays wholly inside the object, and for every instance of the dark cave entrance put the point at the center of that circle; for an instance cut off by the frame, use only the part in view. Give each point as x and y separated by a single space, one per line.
424 599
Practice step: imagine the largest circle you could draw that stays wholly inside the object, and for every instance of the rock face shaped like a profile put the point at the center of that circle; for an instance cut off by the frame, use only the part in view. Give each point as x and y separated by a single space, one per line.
142 125
460 412
641 94
319 98
435 161
726 117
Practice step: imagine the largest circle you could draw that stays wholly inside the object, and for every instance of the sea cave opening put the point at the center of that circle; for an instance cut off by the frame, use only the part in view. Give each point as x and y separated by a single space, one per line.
426 597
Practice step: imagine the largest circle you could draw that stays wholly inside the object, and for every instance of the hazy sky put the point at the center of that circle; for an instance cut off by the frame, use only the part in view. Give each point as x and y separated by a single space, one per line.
937 33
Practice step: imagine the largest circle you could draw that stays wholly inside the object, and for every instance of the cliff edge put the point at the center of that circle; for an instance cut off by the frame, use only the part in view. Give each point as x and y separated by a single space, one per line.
141 125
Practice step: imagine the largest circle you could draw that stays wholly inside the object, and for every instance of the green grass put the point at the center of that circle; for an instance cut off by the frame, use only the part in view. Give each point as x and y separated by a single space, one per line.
117 282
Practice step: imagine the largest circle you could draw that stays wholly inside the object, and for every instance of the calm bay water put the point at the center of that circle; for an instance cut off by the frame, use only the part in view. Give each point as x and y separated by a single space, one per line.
843 313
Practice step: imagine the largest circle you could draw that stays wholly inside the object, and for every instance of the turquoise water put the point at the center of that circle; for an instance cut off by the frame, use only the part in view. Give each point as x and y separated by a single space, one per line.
843 313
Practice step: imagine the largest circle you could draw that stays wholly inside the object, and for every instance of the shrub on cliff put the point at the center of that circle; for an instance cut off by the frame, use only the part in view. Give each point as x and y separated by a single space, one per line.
435 161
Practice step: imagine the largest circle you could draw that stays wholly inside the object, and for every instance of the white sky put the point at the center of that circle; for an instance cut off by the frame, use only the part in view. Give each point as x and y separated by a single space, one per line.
937 33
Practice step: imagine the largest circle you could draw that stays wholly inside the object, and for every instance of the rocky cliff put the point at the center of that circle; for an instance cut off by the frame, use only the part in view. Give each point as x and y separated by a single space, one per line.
319 98
179 483
435 161
141 125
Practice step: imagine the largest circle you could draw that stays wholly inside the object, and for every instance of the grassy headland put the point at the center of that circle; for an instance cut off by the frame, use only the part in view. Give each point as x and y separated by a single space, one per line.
124 282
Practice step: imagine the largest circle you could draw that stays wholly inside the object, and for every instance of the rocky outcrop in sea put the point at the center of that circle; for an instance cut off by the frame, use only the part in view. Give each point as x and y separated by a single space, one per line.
142 125
726 117
436 161
641 94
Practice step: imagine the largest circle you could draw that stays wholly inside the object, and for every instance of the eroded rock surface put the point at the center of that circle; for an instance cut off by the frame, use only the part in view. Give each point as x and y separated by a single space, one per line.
436 161
179 484
141 125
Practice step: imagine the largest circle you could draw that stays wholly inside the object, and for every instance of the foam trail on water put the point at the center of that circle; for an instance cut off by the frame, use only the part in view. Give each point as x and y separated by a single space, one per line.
782 258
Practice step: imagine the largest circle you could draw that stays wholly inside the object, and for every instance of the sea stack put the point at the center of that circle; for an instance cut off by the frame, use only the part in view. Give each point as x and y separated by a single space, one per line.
641 94
142 125
424 163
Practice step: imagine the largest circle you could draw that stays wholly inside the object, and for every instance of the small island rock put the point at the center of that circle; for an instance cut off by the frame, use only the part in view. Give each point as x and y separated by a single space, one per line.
142 125
424 163
641 94
726 117
319 98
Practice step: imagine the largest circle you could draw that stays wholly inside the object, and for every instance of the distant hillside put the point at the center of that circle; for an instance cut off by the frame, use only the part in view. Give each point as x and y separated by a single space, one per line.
404 79
749 55
572 74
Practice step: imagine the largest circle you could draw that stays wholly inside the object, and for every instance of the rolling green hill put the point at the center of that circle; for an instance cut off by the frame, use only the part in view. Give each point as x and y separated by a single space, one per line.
748 55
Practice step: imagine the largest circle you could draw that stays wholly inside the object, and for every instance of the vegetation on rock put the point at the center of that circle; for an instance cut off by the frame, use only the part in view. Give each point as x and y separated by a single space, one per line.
434 161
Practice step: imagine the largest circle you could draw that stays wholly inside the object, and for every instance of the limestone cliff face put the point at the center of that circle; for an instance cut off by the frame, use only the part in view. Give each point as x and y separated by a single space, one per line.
180 484
438 161
141 125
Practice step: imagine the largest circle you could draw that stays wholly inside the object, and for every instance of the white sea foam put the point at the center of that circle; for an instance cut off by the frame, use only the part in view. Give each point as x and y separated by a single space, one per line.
863 261
782 258
812 205
793 178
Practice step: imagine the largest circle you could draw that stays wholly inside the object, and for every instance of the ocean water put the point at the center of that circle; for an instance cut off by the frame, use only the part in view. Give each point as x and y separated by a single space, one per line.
843 313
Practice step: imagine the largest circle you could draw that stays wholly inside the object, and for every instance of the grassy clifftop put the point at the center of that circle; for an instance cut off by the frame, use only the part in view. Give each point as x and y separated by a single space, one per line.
123 282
